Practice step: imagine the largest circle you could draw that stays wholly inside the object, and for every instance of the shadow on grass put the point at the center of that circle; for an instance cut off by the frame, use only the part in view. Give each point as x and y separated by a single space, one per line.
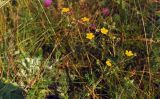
9 91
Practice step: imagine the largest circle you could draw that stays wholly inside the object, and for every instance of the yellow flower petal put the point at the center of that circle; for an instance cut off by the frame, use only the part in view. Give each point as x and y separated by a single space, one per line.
90 36
129 53
108 63
104 30
85 19
64 10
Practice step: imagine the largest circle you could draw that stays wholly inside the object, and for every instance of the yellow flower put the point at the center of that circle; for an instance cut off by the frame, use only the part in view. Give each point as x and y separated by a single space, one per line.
104 30
108 62
65 10
129 53
85 19
90 36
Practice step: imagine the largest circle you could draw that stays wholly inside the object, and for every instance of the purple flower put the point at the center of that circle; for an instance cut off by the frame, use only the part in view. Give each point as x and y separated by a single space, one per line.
105 11
47 3
93 26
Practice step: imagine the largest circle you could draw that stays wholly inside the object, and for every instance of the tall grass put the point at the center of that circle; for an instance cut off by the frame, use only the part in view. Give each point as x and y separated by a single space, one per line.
47 52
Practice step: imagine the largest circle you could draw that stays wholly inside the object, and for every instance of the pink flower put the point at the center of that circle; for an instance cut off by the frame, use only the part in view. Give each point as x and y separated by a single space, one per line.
47 3
93 26
105 11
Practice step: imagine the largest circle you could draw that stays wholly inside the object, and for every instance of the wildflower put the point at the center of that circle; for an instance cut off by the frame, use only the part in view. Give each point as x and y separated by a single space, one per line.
65 10
85 19
104 30
108 63
47 3
93 26
129 53
105 11
90 36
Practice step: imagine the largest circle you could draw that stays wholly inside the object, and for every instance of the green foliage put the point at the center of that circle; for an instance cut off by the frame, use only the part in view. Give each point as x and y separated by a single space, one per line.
47 52
9 91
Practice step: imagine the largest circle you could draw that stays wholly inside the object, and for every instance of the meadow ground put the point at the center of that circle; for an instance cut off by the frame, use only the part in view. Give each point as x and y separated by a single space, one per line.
80 49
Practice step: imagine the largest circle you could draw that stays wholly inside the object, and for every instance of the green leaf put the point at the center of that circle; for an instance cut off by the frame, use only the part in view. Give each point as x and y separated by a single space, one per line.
8 91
